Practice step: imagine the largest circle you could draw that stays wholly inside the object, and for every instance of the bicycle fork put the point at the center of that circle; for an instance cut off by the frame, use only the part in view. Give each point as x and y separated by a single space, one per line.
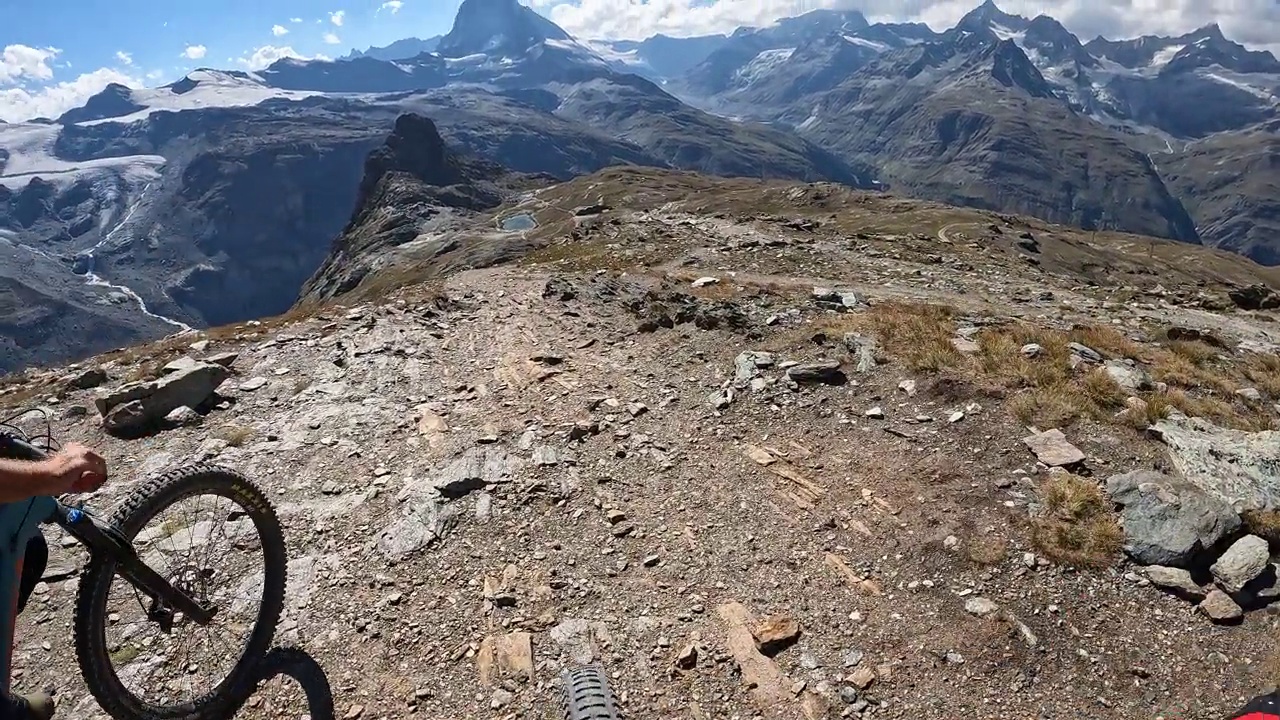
107 543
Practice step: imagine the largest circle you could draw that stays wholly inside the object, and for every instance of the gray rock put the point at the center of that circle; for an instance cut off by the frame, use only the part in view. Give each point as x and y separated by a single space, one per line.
705 281
135 406
851 658
253 383
87 379
1084 352
721 399
1250 395
1243 562
1032 350
965 345
545 456
1168 521
1177 581
1129 377
184 416
225 359
426 520
576 637
476 468
748 365
1051 448
875 413
908 387
182 364
980 606
863 349
1241 468
824 372
839 299
1220 607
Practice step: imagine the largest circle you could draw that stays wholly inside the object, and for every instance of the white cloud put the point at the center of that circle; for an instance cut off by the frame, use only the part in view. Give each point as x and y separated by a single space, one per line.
18 104
331 39
22 62
279 30
295 20
392 5
1252 22
264 56
155 75
195 52
337 17
124 57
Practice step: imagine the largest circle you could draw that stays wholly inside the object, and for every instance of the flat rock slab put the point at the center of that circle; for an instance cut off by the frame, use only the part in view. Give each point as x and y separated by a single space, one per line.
1051 448
1169 521
1242 563
824 372
1241 468
1176 581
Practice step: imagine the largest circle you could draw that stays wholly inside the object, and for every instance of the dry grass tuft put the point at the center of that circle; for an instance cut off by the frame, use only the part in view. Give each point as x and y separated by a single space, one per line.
1102 391
1180 370
1046 407
1000 357
1264 372
988 550
918 335
1193 351
1263 523
1078 528
1108 341
235 435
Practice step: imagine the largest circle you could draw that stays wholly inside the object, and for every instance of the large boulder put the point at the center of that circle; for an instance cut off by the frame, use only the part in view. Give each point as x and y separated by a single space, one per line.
138 406
1240 468
1169 521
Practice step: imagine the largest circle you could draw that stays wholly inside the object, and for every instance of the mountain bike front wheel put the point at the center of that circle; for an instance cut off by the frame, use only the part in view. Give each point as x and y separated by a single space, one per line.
144 661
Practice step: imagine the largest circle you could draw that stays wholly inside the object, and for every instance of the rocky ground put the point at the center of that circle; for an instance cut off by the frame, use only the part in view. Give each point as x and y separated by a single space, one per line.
772 469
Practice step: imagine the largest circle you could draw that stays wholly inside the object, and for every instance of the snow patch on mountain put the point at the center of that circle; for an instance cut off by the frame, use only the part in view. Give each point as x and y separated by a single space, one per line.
205 89
869 44
1236 82
1006 33
31 155
763 64
1165 56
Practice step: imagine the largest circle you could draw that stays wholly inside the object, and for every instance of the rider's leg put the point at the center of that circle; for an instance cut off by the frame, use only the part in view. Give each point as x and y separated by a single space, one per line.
34 563
36 706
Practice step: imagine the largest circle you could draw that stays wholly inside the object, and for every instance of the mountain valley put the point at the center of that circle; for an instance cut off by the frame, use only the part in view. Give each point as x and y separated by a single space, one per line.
215 199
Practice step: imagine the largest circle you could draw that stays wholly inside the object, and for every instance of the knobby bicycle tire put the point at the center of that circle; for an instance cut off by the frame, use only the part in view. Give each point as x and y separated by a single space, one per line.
586 695
131 516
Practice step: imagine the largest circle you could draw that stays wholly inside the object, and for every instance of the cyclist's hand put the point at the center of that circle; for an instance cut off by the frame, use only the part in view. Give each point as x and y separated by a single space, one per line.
76 469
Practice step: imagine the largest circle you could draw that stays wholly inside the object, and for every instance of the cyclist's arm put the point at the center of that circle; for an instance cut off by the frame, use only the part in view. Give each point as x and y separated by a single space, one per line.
20 479
75 469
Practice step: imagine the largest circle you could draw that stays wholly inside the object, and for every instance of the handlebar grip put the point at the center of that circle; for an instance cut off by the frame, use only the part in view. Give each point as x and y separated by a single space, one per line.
15 448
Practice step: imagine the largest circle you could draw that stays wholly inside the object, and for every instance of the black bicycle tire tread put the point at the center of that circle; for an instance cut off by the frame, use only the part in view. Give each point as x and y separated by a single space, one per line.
587 695
145 501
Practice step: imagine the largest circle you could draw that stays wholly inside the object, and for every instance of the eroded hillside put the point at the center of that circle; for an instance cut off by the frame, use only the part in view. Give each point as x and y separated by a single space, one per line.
674 398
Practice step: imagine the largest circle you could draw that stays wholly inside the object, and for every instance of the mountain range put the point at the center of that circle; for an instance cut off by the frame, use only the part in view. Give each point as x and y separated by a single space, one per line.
218 198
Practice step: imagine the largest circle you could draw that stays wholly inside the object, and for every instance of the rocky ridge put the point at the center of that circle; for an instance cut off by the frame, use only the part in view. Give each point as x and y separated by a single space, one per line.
772 448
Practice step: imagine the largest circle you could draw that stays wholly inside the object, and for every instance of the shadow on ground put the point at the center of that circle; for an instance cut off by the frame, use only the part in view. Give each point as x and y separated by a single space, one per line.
297 664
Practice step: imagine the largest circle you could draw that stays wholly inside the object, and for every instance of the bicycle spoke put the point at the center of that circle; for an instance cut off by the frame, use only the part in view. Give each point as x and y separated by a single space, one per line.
197 548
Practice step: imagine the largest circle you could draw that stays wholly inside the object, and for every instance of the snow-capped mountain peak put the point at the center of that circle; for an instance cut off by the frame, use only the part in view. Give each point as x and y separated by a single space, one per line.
492 27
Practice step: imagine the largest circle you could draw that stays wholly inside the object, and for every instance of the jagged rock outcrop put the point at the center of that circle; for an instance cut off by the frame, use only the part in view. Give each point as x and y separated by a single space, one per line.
412 182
